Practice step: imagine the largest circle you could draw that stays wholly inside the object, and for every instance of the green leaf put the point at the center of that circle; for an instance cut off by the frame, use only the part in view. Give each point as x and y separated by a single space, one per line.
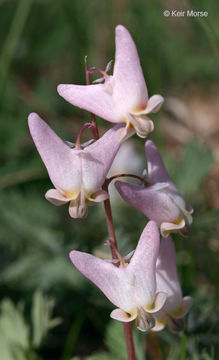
13 326
41 317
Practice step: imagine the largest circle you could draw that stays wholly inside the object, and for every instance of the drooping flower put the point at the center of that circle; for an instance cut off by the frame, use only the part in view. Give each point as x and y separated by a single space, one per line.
77 175
130 287
159 200
123 97
175 307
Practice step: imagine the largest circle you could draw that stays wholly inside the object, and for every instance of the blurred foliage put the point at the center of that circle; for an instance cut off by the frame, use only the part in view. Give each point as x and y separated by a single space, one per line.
19 341
43 43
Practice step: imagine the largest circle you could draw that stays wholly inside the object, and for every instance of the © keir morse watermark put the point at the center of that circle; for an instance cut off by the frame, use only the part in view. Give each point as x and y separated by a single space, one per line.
185 13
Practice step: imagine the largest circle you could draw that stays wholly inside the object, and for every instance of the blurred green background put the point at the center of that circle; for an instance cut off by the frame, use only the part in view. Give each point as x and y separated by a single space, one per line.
48 310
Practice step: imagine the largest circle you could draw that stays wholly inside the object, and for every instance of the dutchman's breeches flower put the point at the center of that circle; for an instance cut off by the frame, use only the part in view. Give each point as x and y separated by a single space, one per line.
130 287
123 97
77 175
175 307
159 200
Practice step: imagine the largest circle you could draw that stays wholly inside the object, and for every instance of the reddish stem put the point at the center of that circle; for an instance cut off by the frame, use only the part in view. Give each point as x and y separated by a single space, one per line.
78 140
129 341
126 175
114 249
110 225
93 117
111 232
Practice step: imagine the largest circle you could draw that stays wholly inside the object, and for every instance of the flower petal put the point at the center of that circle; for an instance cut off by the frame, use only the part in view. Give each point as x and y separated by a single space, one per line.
156 204
142 264
114 282
55 197
159 302
93 98
166 274
154 104
159 325
62 162
98 196
156 169
184 307
123 316
129 90
97 159
166 227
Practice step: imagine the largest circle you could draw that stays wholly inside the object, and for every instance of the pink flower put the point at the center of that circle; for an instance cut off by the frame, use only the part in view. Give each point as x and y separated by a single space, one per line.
130 287
123 97
175 307
159 200
77 175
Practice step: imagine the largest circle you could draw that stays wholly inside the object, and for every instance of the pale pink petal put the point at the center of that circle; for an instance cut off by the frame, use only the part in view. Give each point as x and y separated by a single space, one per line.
55 197
159 325
93 98
129 90
156 169
143 263
125 133
98 196
159 301
114 282
166 227
156 204
62 162
97 159
185 306
154 104
123 316
166 274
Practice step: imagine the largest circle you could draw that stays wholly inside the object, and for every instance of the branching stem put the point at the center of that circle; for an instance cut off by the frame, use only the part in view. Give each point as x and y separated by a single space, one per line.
93 117
126 175
111 230
78 140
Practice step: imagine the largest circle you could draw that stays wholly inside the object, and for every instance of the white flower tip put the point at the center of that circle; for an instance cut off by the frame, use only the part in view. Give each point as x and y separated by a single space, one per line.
32 118
32 115
62 88
73 255
152 227
186 304
120 28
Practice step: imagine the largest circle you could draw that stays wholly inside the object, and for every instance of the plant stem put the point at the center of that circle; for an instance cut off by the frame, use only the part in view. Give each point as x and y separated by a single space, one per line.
111 231
110 227
114 249
126 175
78 140
93 117
129 341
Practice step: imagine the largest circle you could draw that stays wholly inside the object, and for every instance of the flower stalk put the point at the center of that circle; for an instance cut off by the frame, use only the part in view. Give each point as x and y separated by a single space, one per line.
93 117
